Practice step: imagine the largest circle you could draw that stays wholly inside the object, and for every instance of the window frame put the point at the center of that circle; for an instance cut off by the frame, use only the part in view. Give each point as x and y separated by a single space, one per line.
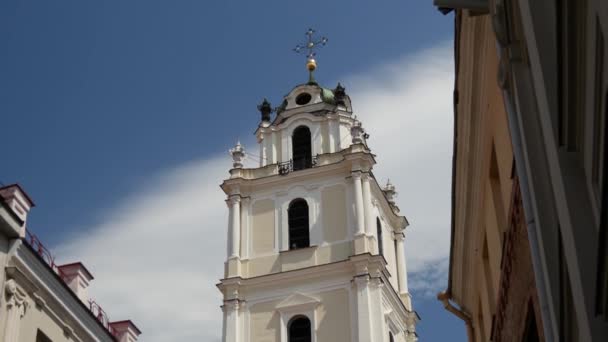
307 157
289 223
307 310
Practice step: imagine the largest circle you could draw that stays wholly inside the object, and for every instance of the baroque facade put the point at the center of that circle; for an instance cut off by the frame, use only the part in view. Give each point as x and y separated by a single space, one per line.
315 244
537 71
40 300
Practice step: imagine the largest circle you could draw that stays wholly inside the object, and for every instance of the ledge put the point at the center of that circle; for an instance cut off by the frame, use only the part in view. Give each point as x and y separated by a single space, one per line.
299 249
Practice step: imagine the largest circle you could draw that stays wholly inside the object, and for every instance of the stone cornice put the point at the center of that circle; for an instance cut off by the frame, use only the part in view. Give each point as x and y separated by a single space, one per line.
329 164
398 222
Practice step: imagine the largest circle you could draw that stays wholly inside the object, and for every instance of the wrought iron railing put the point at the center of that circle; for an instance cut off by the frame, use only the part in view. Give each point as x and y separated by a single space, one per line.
298 164
101 316
34 242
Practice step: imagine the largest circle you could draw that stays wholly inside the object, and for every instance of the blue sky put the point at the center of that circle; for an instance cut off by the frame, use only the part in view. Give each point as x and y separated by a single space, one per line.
107 106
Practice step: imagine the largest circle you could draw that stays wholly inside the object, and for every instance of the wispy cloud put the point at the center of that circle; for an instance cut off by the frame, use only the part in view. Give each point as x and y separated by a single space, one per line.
407 108
158 254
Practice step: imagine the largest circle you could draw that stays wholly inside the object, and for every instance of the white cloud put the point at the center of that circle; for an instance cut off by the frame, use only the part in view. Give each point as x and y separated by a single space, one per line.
406 106
158 254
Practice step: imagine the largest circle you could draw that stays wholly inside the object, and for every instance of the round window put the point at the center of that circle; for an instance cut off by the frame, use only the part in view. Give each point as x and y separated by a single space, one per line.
303 99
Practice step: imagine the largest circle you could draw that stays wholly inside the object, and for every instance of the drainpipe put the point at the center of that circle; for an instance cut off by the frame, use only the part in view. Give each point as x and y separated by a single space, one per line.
529 215
444 298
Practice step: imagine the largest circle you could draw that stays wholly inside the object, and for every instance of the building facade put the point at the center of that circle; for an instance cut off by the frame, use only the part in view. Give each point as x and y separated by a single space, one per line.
491 275
40 300
551 62
315 244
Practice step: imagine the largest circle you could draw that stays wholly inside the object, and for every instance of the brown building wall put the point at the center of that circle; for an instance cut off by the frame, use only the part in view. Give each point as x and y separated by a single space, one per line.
518 315
491 276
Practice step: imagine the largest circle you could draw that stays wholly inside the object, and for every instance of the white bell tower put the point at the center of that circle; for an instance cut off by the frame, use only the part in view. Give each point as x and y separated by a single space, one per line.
315 244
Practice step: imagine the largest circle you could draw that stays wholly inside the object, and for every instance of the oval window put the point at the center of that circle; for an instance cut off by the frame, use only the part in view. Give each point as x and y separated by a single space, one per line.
303 99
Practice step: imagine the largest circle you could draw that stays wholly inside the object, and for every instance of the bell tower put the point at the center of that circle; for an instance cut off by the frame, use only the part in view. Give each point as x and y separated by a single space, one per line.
315 243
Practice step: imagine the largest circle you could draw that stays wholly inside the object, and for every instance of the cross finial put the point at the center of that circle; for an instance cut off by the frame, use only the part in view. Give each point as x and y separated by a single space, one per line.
309 48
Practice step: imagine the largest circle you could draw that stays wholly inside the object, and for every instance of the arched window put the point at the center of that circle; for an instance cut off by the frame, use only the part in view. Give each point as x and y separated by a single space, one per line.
302 150
299 329
390 337
379 233
298 224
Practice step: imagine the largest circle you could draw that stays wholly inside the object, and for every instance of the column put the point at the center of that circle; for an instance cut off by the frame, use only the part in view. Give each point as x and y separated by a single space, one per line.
234 235
404 292
275 148
359 203
266 152
15 310
364 326
376 309
335 131
245 229
231 321
262 153
401 268
333 138
367 205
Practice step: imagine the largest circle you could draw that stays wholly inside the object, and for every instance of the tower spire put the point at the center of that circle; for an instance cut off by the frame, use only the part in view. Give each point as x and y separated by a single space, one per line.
308 47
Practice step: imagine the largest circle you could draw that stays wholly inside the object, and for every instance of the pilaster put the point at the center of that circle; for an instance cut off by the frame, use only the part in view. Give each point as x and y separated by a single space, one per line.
363 307
367 207
377 310
360 238
333 123
402 271
234 204
245 229
275 148
231 329
233 264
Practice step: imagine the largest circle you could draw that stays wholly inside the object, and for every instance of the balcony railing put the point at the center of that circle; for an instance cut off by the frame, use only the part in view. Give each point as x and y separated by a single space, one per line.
298 164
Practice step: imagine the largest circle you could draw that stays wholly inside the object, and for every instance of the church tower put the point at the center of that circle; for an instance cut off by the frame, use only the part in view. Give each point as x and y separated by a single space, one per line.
315 243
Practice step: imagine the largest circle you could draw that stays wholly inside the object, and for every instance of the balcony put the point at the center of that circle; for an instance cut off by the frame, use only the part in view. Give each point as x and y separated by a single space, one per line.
297 164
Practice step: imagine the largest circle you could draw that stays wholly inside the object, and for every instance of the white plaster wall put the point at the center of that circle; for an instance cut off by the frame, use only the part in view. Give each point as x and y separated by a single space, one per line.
388 245
345 139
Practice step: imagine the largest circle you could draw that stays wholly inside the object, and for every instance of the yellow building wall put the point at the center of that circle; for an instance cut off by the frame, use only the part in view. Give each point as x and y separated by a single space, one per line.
262 228
38 318
333 318
481 110
333 201
264 322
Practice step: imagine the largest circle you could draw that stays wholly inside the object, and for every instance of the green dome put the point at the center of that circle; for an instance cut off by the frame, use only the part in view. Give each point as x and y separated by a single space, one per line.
327 96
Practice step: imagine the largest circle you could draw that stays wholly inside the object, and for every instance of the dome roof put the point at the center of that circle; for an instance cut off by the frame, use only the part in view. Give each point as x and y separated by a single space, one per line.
311 94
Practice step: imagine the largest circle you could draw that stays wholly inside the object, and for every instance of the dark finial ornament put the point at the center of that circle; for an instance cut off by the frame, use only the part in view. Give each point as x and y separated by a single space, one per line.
265 109
340 94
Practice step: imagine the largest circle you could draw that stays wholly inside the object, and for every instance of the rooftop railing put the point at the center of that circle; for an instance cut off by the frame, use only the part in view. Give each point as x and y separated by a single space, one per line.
34 242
